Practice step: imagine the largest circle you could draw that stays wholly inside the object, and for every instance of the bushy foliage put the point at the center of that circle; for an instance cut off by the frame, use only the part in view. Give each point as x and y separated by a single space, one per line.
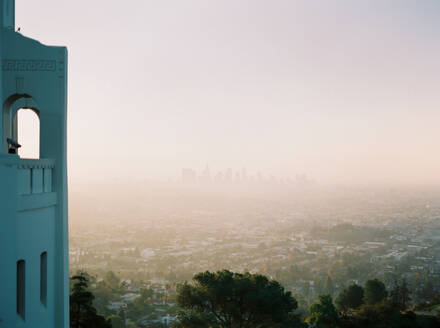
82 312
116 321
228 300
323 313
350 298
225 299
385 315
374 292
400 295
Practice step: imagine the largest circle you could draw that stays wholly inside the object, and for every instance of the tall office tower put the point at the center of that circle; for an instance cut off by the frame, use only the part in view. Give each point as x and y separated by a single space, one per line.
34 277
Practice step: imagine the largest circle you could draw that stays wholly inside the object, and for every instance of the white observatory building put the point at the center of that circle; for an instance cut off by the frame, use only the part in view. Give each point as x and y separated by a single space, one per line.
34 276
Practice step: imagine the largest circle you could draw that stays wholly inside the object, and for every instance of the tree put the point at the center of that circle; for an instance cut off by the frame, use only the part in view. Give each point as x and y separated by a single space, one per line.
196 319
428 292
350 298
116 321
228 300
323 313
82 312
329 286
112 279
404 295
374 292
400 295
139 307
103 295
147 293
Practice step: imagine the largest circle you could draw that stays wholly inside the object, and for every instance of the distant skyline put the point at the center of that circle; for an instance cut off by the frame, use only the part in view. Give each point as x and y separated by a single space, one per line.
344 91
207 176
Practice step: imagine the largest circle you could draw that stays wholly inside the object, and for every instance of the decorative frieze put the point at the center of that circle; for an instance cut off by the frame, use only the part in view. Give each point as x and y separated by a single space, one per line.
29 65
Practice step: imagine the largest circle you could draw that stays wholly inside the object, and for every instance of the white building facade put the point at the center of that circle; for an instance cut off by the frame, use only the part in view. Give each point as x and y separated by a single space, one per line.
34 276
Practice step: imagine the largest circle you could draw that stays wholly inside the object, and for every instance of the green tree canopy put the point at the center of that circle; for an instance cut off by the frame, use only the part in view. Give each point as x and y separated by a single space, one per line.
428 292
229 300
116 321
329 286
112 280
374 292
350 298
400 295
82 312
323 313
140 306
385 315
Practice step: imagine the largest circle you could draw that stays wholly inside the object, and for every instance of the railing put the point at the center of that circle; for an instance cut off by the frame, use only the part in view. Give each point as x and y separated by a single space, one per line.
35 176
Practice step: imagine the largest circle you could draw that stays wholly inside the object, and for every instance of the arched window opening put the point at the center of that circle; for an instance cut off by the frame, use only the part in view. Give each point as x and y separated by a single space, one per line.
28 133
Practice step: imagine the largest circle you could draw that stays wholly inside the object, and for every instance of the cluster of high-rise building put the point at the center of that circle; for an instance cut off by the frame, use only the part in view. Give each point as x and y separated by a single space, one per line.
238 176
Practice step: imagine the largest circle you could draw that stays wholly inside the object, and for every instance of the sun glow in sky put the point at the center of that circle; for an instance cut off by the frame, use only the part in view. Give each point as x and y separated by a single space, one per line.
345 91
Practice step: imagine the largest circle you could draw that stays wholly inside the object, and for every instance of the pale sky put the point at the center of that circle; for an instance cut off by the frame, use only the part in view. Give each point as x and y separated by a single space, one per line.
341 90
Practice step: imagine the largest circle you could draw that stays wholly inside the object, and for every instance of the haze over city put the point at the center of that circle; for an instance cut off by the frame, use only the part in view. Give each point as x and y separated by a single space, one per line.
343 91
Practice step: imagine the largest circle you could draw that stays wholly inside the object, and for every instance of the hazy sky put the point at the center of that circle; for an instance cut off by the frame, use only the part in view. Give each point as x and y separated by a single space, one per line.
341 90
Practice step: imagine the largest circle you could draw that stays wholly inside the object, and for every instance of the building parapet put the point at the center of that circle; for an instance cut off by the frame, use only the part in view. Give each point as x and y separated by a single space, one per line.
34 176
